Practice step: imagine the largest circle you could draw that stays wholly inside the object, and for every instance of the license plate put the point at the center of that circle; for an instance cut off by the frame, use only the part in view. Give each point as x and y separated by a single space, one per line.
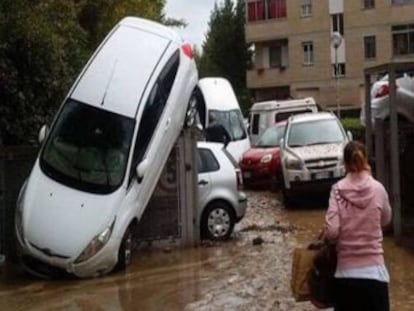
247 174
322 175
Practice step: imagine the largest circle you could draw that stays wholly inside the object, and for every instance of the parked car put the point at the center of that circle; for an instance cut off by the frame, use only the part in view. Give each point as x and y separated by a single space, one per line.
265 114
380 106
101 160
260 165
219 103
221 202
312 154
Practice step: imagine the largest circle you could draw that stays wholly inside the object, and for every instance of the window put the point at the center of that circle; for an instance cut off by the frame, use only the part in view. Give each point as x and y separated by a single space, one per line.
275 56
368 4
206 161
338 71
307 53
370 47
306 7
282 116
232 121
255 124
403 39
255 10
338 23
276 8
154 107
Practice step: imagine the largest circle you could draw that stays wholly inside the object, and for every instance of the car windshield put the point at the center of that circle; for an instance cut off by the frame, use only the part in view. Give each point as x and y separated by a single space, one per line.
232 120
314 133
271 137
88 148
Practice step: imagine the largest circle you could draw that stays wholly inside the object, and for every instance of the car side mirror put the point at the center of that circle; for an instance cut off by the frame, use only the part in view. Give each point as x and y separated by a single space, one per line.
350 136
43 132
142 169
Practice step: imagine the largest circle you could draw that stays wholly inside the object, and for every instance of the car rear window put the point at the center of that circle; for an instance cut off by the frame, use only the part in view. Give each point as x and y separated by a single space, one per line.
282 116
206 161
255 124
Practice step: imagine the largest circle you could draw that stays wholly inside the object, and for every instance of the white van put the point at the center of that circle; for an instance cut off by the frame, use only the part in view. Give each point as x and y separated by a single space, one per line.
265 114
312 154
101 160
220 103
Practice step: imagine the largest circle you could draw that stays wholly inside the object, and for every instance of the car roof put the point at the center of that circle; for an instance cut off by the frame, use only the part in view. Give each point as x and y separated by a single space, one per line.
218 93
309 117
118 73
210 145
278 104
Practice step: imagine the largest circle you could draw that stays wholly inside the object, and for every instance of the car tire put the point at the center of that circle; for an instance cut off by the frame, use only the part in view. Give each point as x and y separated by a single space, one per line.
218 221
125 250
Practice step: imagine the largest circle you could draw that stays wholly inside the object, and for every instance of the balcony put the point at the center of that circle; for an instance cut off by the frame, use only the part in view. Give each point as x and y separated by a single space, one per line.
268 77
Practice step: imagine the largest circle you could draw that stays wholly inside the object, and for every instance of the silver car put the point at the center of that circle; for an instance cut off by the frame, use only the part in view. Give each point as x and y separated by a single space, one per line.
221 203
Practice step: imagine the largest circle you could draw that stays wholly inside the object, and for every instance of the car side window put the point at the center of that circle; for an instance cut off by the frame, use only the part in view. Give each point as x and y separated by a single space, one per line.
154 107
255 124
207 162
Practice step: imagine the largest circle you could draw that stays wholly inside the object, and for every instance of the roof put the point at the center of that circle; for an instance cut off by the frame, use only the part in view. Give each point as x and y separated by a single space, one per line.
279 104
309 117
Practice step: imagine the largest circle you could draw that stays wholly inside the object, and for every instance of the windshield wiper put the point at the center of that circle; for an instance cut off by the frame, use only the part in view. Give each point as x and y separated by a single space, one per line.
296 145
321 143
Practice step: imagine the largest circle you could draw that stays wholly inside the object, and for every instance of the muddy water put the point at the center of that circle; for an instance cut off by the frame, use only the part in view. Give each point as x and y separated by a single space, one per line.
236 275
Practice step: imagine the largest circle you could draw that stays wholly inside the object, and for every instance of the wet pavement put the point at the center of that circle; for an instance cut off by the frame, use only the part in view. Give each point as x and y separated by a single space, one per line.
249 272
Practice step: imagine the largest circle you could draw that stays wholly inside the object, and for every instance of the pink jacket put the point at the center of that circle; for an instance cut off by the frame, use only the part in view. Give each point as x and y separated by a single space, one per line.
358 209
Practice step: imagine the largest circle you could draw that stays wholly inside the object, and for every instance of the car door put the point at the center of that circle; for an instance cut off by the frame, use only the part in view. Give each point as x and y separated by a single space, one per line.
206 164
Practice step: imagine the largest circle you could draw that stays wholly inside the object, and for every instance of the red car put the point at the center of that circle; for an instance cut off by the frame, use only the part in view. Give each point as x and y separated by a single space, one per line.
261 163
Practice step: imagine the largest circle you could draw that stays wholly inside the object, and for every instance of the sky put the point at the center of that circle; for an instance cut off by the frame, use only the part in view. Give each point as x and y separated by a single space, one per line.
196 13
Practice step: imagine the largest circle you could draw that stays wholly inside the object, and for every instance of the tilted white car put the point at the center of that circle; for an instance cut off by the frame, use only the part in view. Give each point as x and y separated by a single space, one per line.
312 154
380 105
221 203
101 160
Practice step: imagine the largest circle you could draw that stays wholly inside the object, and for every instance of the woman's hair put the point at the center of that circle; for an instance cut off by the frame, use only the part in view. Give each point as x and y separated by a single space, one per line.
355 157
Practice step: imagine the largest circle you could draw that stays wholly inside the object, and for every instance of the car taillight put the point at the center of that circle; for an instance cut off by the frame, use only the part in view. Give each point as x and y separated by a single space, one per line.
383 90
239 179
187 50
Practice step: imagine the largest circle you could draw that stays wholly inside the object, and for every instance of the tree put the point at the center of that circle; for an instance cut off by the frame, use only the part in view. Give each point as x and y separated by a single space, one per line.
43 46
225 52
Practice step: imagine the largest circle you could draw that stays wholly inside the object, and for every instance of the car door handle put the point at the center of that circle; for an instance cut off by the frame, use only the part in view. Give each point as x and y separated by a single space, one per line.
203 182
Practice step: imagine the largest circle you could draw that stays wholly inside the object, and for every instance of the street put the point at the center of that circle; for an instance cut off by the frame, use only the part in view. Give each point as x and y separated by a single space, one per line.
249 272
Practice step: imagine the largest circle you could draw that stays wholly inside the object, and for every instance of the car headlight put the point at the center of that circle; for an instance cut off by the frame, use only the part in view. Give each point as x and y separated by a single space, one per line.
18 217
97 243
266 158
293 163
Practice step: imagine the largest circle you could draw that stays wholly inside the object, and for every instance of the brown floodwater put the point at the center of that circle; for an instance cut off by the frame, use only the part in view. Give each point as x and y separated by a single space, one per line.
235 275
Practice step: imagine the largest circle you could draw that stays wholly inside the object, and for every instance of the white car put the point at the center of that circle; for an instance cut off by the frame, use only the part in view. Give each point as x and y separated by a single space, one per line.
221 202
219 103
312 154
101 160
380 107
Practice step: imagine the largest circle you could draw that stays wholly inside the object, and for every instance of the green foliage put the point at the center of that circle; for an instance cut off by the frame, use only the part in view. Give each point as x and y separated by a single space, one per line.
43 46
225 52
354 126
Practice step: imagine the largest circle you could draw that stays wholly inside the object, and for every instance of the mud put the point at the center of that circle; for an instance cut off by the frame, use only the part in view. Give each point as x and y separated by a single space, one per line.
235 275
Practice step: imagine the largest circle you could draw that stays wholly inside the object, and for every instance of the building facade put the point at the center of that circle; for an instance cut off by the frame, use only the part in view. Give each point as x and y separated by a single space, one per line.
295 55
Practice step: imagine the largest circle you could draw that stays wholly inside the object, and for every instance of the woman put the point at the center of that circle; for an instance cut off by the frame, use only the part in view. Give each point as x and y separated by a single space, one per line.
358 209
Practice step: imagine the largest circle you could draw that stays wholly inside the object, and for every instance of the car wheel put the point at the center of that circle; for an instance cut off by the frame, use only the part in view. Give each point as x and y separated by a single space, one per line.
125 250
218 222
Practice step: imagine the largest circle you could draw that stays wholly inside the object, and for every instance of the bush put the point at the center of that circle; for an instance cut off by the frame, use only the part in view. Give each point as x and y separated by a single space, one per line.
354 126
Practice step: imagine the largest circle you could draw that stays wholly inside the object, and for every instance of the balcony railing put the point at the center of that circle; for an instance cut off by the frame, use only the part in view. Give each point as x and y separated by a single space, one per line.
259 10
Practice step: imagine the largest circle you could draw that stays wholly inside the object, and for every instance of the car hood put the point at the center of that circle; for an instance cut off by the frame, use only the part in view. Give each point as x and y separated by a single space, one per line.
319 151
257 153
61 219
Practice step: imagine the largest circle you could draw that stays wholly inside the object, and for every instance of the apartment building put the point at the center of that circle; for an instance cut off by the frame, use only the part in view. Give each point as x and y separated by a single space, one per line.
295 56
